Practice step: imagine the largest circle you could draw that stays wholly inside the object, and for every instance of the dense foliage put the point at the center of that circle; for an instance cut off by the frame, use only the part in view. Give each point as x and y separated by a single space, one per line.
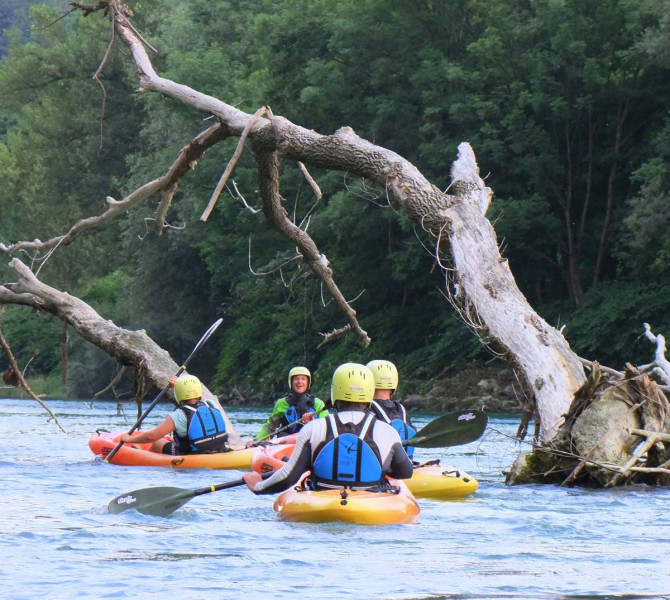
566 104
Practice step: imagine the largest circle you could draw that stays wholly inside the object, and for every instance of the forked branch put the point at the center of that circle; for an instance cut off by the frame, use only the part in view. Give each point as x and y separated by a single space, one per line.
268 165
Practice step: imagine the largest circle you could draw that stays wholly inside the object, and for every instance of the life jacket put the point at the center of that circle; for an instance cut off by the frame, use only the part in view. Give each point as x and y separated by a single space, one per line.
298 406
348 456
396 417
205 430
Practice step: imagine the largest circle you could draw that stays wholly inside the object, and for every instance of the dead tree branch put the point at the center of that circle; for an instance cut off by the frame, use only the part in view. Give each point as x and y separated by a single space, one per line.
186 161
231 165
268 166
310 180
19 375
130 348
660 366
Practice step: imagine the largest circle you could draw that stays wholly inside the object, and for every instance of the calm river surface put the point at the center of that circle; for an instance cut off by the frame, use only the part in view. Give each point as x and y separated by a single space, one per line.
57 539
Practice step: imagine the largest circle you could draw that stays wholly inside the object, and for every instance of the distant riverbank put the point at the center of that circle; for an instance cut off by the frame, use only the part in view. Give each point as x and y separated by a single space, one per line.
468 386
460 388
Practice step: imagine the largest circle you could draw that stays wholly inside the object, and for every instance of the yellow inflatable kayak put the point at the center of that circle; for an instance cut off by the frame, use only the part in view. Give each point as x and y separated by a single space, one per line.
351 506
441 482
103 442
430 480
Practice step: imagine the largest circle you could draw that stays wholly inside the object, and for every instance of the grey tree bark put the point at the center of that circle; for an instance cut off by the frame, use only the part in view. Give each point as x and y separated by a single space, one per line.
133 348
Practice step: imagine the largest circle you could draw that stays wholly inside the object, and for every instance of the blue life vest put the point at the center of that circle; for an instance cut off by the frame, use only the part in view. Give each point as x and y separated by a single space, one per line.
405 432
298 406
398 420
348 457
206 430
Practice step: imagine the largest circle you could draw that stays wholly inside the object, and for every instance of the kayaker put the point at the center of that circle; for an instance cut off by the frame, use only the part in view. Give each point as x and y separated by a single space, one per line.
350 449
204 434
384 407
297 404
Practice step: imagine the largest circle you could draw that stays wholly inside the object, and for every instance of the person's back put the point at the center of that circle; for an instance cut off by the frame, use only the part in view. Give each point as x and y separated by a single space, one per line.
384 407
357 450
204 430
196 425
353 430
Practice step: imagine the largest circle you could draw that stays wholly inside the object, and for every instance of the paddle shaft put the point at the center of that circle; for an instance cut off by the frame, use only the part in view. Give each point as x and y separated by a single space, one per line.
281 430
162 502
452 429
274 433
164 391
224 486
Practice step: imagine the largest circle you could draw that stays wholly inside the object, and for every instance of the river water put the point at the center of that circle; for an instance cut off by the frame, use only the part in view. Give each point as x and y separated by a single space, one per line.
57 539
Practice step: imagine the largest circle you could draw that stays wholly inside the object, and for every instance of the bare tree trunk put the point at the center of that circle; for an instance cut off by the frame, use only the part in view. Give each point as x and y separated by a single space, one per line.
128 347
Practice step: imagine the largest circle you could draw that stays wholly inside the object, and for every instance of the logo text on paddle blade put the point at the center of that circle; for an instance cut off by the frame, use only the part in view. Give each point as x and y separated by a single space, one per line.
128 499
466 417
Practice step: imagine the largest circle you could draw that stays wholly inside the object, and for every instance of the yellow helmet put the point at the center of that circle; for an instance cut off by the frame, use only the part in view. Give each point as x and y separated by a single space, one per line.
299 371
187 387
385 374
352 383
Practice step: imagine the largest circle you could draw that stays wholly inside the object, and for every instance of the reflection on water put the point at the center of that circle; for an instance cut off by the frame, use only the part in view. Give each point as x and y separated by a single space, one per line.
57 539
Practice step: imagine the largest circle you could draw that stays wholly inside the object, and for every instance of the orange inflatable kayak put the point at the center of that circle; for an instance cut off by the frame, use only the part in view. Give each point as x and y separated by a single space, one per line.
103 442
429 481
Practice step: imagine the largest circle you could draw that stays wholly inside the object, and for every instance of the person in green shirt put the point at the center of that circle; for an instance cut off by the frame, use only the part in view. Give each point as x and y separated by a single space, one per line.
297 404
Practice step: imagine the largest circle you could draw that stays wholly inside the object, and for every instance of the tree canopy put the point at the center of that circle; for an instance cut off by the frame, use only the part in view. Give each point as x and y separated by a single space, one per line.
565 102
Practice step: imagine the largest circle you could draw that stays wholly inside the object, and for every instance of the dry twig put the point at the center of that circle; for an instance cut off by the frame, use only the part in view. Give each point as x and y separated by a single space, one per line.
22 381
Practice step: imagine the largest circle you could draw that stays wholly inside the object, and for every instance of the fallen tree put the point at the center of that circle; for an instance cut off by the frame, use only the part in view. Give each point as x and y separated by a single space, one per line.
478 281
615 432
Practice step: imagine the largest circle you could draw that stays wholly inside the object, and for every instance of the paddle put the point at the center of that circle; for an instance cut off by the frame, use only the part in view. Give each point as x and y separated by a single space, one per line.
163 501
452 429
274 433
199 345
284 428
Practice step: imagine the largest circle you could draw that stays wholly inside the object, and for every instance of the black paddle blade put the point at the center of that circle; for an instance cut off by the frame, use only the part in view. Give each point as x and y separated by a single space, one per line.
157 501
452 429
163 501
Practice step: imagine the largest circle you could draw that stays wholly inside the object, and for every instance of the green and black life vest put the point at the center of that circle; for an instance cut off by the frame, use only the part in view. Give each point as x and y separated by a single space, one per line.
299 404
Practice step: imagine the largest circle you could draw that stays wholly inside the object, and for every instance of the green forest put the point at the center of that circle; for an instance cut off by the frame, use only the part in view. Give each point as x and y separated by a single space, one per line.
566 104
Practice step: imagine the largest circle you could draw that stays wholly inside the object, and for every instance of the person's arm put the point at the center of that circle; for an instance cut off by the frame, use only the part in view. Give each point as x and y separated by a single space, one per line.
289 474
320 408
166 427
274 420
401 464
